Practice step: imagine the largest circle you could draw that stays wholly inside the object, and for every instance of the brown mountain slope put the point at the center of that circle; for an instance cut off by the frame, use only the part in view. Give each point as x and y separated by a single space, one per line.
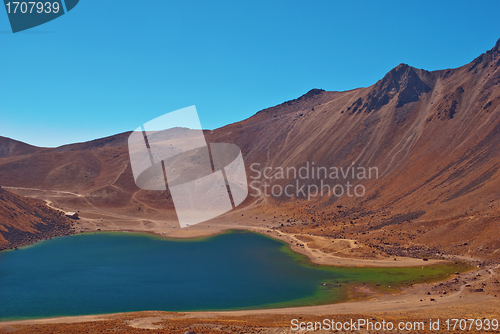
433 137
10 147
24 220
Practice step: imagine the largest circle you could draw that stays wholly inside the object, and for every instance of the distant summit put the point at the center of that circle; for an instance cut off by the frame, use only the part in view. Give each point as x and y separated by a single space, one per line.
310 94
403 83
490 58
10 147
310 99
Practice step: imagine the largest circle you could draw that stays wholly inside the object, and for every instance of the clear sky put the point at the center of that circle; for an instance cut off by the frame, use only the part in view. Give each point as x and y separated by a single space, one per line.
109 66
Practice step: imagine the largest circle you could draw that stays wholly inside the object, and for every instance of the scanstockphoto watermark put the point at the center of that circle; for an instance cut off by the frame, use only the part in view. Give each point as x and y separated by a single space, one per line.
310 181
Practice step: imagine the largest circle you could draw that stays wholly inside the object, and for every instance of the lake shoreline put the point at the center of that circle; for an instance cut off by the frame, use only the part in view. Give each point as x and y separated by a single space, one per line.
322 296
220 225
409 300
315 256
246 219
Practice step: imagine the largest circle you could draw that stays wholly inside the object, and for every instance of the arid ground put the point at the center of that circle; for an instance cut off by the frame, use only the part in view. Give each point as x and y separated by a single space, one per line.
434 138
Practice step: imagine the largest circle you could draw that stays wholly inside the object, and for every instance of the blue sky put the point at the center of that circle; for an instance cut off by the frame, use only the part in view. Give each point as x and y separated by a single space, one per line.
109 66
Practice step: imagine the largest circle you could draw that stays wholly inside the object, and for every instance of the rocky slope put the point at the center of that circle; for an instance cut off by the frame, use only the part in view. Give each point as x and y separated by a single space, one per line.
24 221
433 137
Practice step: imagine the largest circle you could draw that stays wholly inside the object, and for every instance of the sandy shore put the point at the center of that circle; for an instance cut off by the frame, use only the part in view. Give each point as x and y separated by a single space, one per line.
255 217
246 219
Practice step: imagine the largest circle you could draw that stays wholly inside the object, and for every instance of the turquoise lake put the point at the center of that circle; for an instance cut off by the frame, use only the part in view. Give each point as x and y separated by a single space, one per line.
122 272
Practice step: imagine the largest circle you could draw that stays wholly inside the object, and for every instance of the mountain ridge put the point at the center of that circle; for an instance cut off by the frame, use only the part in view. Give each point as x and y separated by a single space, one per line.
433 135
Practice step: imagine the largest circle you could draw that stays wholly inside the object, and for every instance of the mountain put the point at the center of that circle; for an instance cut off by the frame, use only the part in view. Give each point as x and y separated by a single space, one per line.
433 137
10 147
24 221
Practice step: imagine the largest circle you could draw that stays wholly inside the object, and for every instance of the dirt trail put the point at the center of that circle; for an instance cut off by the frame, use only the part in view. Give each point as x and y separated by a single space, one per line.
45 190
